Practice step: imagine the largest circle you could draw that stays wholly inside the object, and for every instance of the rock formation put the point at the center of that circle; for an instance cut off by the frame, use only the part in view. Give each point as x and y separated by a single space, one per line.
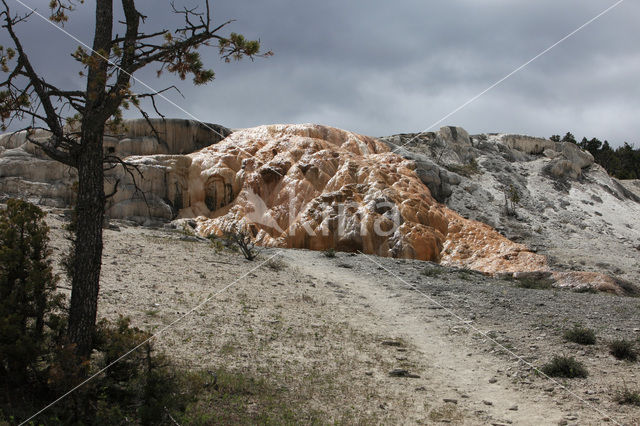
567 208
25 171
316 187
477 246
441 157
304 186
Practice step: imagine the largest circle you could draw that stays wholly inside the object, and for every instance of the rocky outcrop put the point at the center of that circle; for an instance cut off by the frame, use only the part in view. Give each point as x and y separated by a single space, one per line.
169 137
317 187
429 151
26 171
475 245
154 191
594 281
567 160
631 188
528 144
303 186
564 205
442 156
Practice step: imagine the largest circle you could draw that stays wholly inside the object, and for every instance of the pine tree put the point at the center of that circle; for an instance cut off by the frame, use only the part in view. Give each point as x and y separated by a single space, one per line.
569 138
27 95
28 302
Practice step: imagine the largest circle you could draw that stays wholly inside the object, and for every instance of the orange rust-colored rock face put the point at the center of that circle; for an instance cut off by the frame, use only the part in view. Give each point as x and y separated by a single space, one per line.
477 246
317 187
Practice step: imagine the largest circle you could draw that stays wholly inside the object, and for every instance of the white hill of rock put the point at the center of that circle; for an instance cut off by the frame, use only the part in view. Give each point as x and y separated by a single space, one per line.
569 208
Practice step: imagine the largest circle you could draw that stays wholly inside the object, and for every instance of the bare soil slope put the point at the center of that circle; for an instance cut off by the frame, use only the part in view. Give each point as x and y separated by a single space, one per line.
329 331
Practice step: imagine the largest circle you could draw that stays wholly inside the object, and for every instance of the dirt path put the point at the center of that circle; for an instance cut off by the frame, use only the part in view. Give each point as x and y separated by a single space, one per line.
454 371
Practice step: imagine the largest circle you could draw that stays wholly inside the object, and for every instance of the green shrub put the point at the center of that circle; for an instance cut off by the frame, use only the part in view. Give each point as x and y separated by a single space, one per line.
467 274
469 169
561 366
276 264
536 284
329 253
623 349
580 335
627 396
511 200
586 289
243 241
142 385
29 305
216 243
433 271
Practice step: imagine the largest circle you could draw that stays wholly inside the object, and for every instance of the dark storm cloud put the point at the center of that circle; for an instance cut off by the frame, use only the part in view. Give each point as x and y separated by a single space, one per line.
381 67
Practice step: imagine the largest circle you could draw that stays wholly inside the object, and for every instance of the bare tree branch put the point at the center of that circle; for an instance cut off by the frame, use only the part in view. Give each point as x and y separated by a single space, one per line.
24 65
113 161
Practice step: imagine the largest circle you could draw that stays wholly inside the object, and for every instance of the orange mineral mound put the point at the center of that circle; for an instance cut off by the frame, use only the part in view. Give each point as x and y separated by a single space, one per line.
317 187
478 246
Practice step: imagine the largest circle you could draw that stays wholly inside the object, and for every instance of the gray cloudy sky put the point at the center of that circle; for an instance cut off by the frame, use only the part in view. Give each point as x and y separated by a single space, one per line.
383 67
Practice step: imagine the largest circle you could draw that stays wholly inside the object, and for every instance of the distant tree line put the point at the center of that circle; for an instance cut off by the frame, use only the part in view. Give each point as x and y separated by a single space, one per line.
622 162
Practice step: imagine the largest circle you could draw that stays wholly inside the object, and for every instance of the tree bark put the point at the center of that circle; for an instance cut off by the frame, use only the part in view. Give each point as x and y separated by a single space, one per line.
87 260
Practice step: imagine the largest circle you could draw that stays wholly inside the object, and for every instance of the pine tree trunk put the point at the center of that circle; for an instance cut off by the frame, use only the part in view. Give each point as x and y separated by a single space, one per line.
85 282
88 242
